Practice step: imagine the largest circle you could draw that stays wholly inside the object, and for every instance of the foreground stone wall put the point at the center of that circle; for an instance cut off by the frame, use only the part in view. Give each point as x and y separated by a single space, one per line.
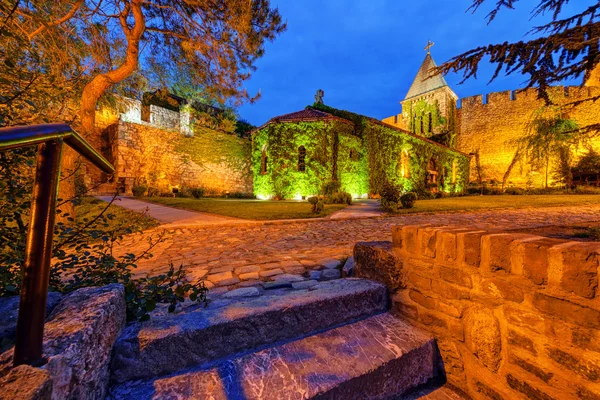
515 315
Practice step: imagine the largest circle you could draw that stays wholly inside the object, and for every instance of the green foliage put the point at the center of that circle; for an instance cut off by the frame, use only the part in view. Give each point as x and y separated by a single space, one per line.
83 250
331 187
339 198
243 128
317 204
139 190
390 197
197 192
419 112
408 200
588 163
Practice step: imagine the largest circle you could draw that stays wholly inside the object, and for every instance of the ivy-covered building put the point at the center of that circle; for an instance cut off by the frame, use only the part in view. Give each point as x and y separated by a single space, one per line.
295 155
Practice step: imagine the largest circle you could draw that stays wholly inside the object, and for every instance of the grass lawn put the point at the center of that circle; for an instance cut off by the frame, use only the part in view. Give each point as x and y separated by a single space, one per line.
472 203
121 217
247 209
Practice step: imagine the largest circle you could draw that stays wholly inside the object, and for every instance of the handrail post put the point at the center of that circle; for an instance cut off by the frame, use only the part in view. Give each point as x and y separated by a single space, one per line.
38 254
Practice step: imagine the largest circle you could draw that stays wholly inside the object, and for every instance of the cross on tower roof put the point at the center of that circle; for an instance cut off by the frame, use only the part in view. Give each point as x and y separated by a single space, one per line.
429 46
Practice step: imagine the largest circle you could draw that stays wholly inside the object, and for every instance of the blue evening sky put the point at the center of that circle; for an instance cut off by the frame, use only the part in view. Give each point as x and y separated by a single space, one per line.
365 53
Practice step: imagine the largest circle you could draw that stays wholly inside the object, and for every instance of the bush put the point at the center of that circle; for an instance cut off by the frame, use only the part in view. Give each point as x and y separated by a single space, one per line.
585 190
317 204
515 191
339 198
390 197
240 195
331 187
139 190
408 200
197 192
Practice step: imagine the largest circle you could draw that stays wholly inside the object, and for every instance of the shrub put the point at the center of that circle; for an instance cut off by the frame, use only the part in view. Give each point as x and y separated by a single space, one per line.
153 191
390 197
197 192
240 195
139 190
317 204
585 190
331 187
339 198
408 200
515 191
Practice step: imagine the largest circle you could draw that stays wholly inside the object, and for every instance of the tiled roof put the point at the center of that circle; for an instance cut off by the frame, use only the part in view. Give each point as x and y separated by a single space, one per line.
307 113
423 83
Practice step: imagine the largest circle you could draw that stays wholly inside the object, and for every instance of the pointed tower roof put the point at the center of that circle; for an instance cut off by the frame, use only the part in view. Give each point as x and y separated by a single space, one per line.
423 83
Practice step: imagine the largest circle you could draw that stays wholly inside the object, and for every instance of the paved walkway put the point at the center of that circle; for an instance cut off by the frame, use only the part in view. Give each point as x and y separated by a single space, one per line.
169 215
358 209
246 254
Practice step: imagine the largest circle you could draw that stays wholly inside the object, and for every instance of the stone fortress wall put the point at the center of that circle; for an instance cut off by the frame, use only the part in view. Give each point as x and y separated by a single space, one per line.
490 124
161 147
515 315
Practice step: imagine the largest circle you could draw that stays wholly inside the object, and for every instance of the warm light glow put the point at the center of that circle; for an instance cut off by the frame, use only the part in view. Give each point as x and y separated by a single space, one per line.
263 197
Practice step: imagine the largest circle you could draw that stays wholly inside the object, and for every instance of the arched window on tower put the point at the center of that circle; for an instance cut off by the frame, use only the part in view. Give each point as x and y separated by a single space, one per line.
421 131
301 159
263 160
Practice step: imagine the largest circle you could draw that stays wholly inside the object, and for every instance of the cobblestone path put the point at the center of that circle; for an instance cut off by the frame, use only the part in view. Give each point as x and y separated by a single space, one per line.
245 255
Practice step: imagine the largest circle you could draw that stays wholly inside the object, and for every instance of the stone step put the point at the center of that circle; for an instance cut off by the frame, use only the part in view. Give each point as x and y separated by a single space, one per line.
173 342
376 358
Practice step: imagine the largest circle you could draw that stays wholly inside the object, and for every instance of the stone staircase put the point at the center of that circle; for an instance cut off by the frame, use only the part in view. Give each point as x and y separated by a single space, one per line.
334 340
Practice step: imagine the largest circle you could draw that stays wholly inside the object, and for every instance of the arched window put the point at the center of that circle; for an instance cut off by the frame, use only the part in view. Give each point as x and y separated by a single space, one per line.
454 171
421 131
301 159
263 160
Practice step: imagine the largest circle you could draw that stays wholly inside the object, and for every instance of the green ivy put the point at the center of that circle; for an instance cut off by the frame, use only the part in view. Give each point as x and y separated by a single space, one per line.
363 158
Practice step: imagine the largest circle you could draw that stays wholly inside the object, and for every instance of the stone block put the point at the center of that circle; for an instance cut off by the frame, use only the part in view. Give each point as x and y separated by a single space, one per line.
483 337
456 276
496 250
78 339
423 300
535 259
541 373
486 391
397 237
330 263
580 263
249 276
315 275
523 342
469 247
419 282
294 270
348 268
329 274
376 261
534 321
502 289
26 383
526 388
427 241
586 339
449 291
218 277
410 241
228 282
270 273
242 292
583 367
567 311
304 285
450 310
288 278
407 310
247 269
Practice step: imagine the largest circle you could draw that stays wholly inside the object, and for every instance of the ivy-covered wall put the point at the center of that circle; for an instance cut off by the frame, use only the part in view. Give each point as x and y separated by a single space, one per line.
363 156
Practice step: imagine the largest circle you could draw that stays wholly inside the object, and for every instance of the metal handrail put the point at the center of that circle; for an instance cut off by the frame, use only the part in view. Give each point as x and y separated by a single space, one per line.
25 136
38 250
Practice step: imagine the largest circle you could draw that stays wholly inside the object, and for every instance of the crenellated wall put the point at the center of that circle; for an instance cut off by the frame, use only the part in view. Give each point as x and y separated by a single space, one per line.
490 124
515 316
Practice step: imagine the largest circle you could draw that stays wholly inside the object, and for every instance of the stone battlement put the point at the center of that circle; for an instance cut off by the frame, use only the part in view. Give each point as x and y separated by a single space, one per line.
557 93
515 315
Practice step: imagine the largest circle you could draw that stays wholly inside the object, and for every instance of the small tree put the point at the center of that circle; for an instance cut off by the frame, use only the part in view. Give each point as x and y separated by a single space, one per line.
551 135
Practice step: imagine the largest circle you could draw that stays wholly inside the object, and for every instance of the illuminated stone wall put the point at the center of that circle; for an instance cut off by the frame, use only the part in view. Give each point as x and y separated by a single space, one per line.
491 125
164 156
515 316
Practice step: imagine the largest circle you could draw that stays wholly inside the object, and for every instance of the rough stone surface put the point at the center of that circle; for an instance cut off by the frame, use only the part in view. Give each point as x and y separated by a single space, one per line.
242 292
379 357
305 284
375 260
169 343
26 383
331 274
483 336
288 278
78 339
348 268
9 311
330 263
